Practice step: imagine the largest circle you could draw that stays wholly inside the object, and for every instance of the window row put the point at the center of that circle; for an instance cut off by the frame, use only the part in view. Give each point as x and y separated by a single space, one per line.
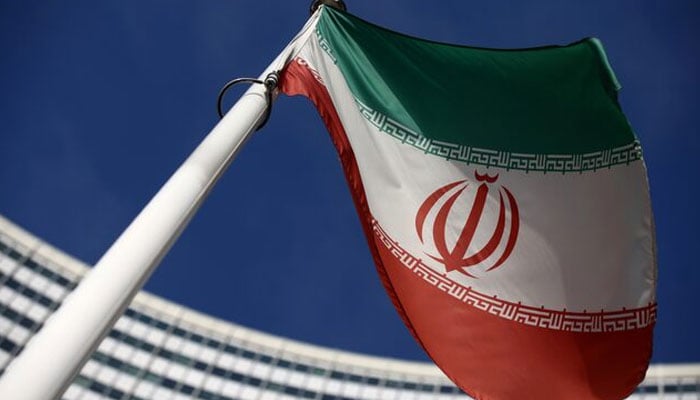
216 344
172 384
8 346
38 268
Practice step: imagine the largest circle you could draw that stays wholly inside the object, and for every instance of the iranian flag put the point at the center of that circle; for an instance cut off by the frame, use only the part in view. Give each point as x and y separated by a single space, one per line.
505 201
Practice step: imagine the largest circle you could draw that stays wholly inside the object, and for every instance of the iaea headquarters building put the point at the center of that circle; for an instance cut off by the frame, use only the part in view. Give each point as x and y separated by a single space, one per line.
159 350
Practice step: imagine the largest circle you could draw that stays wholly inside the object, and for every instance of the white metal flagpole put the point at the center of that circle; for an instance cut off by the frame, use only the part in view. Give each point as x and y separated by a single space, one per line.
53 357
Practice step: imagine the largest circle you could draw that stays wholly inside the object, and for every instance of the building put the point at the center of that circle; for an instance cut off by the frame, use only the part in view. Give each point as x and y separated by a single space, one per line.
161 350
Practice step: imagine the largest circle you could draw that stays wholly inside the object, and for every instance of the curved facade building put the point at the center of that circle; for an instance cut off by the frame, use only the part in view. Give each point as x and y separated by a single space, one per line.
159 350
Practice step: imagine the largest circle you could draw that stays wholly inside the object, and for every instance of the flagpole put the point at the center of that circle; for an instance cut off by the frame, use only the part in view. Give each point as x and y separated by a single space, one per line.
55 355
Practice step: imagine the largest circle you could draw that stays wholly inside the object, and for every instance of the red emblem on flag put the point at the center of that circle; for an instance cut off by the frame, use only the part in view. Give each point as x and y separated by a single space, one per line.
457 259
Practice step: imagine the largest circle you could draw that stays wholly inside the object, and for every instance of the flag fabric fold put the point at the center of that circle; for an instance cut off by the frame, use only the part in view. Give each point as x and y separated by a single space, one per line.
504 199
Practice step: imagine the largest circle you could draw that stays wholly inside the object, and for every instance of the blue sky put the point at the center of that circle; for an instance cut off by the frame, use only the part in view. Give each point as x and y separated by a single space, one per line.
101 101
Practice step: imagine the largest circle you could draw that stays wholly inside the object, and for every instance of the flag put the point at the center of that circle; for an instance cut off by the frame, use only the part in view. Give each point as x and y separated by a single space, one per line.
505 202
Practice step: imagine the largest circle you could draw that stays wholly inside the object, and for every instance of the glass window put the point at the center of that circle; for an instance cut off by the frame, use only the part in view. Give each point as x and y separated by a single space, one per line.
337 375
448 389
186 389
372 381
392 384
211 343
179 332
160 325
14 254
153 378
275 387
291 390
266 359
33 265
180 359
168 383
7 345
235 376
252 381
302 368
197 338
19 319
200 366
426 388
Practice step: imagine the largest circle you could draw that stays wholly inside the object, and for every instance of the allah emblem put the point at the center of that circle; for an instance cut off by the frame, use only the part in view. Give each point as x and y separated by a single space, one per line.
462 255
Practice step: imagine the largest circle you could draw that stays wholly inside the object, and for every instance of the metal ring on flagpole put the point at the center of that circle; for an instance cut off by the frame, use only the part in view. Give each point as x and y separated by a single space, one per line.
337 4
270 84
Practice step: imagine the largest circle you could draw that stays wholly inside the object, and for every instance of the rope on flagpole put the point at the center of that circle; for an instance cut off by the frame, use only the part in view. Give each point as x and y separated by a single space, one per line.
270 84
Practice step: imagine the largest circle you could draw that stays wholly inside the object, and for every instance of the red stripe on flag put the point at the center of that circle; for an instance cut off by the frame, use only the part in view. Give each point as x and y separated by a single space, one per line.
491 357
298 79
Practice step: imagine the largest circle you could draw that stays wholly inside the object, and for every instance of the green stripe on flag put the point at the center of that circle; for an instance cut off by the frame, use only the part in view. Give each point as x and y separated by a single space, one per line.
558 100
560 163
